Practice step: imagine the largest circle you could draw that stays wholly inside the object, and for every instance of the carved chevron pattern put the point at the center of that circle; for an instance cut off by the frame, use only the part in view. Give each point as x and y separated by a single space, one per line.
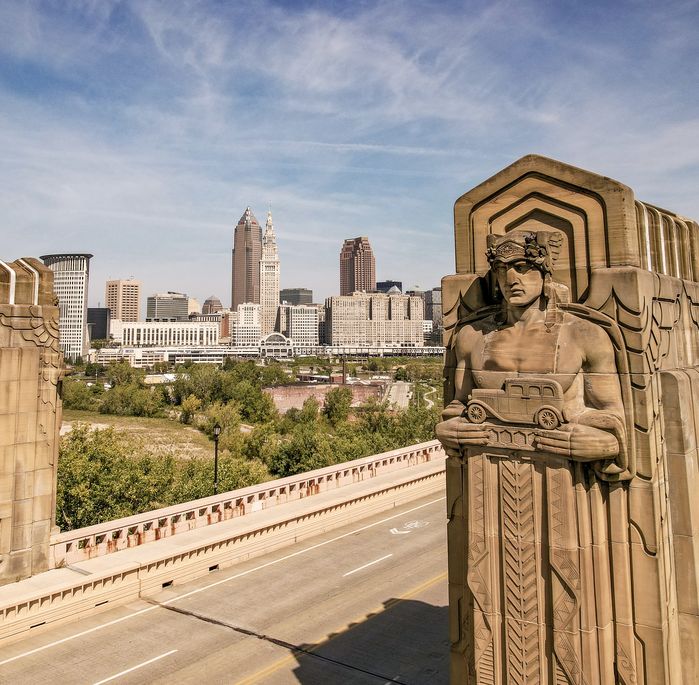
478 563
520 574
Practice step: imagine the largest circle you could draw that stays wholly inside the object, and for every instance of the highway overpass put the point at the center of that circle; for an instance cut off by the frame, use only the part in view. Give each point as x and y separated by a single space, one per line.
346 583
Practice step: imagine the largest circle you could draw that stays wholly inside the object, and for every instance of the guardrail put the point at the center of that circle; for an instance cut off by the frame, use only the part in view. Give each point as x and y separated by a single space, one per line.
94 541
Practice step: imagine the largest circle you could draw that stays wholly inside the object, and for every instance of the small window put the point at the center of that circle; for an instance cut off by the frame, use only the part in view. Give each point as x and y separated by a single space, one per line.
516 390
534 390
548 391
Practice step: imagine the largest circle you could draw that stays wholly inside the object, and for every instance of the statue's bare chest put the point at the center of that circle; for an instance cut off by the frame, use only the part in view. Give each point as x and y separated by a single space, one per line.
518 349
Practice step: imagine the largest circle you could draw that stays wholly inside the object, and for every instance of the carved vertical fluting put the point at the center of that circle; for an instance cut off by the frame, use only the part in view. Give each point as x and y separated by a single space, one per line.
521 581
480 572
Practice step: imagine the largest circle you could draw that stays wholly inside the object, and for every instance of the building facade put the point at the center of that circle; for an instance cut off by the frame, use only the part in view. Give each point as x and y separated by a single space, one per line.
71 275
296 295
169 306
300 324
433 312
245 260
169 333
247 328
211 305
385 286
123 298
269 278
374 320
98 322
357 266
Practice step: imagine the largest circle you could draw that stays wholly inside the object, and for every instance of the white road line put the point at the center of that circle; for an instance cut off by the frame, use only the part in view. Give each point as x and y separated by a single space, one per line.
371 563
218 582
133 668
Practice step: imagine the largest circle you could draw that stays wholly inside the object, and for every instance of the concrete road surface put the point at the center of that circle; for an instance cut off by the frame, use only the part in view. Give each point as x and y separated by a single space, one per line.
399 394
364 604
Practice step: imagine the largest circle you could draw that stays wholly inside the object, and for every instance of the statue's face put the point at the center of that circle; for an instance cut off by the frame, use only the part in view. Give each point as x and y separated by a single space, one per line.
520 282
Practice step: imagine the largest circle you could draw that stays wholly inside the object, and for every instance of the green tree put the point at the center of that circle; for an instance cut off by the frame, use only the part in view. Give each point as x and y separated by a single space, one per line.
190 406
337 405
122 373
76 395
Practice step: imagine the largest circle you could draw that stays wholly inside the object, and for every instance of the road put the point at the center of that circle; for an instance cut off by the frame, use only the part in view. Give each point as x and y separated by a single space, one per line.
364 604
399 394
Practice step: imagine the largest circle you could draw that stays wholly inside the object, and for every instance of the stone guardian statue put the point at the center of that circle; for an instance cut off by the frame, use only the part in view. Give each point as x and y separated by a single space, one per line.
562 549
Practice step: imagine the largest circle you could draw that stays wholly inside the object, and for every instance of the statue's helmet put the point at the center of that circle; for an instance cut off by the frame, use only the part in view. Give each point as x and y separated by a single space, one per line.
539 248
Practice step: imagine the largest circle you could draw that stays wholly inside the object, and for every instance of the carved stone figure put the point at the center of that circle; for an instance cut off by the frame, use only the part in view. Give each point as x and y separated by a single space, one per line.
31 368
564 338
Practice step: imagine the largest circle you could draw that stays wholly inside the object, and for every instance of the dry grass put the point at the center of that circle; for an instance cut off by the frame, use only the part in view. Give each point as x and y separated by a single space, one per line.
163 436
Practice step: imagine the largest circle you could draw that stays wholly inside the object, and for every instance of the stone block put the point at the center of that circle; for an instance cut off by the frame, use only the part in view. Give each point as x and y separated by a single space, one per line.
8 429
21 536
9 393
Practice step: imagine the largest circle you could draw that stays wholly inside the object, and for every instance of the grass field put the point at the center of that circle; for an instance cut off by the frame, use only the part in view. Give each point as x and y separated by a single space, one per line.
161 435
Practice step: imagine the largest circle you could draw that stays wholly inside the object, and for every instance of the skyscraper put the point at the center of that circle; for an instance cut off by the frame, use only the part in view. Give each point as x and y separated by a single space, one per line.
70 280
269 278
123 298
296 295
357 266
169 306
245 262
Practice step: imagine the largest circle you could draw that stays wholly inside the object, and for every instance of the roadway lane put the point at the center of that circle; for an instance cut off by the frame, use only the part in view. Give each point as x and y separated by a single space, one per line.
364 604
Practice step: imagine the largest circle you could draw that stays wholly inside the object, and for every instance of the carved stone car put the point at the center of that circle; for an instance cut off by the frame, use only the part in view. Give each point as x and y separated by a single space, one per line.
534 401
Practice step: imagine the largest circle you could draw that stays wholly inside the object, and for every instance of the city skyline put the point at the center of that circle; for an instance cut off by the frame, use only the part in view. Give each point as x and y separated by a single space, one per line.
138 131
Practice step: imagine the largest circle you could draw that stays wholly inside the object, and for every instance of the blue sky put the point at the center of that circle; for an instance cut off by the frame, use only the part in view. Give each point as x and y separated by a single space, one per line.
139 131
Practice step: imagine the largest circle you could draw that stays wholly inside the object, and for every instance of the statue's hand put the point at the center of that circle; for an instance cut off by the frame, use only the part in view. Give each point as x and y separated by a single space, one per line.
454 408
457 433
577 441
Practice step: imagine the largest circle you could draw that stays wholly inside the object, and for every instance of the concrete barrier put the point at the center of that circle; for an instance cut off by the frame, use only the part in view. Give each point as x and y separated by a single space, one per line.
94 541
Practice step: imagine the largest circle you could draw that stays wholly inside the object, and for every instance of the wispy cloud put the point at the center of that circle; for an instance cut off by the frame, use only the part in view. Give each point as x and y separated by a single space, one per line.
139 130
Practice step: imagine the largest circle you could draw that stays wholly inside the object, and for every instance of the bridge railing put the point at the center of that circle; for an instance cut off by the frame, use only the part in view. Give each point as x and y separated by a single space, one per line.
105 538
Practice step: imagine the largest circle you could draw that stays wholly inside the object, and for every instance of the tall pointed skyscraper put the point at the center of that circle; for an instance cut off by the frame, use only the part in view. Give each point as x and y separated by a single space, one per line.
269 277
247 251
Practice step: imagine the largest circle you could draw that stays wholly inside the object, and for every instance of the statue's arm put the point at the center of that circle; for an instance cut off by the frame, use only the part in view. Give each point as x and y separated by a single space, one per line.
598 431
455 432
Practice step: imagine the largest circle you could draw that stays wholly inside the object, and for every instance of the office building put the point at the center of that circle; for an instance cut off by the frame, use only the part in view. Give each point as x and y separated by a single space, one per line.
123 298
193 307
71 274
169 333
433 312
385 286
296 295
374 320
269 278
211 305
98 322
247 329
245 261
169 306
357 267
300 324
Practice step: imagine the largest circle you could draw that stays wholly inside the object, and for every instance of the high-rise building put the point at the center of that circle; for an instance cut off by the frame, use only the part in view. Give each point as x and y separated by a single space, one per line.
269 278
169 306
212 305
433 312
123 298
357 266
98 320
300 324
385 286
245 262
71 274
193 307
374 320
296 295
247 330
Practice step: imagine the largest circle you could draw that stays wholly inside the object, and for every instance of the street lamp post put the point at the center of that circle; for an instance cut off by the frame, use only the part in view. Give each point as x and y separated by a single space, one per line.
217 432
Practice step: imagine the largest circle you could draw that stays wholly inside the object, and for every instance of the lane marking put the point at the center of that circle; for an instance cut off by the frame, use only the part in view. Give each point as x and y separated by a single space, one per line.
272 668
371 563
133 668
218 582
